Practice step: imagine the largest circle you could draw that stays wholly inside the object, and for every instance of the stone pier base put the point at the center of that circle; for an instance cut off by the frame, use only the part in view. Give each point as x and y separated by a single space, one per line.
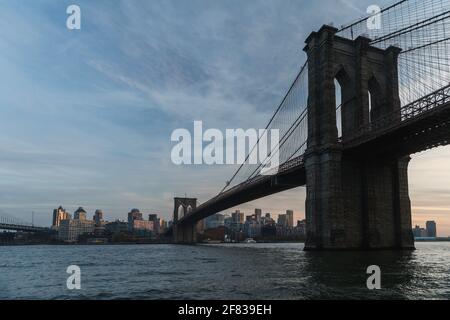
357 204
185 233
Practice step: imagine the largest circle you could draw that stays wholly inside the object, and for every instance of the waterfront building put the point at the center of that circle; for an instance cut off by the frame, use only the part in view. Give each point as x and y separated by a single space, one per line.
282 221
216 234
156 223
416 231
162 225
268 231
133 215
70 230
99 231
300 229
142 227
98 218
431 229
252 228
59 215
117 227
419 232
290 218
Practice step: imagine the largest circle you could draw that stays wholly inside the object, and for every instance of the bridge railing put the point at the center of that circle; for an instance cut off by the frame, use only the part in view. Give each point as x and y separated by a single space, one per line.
399 117
427 103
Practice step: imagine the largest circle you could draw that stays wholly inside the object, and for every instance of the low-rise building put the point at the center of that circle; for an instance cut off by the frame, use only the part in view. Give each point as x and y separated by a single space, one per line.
117 227
142 227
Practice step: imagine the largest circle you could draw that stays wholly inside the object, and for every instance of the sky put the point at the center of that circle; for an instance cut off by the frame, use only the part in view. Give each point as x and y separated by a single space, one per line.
86 115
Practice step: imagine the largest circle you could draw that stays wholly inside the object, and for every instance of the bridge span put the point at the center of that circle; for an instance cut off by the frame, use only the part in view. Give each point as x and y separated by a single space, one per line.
352 155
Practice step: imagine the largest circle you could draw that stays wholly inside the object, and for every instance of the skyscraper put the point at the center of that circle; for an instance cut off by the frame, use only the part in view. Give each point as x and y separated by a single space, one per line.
80 214
258 214
98 217
290 218
431 229
163 225
238 217
134 214
282 220
156 224
59 215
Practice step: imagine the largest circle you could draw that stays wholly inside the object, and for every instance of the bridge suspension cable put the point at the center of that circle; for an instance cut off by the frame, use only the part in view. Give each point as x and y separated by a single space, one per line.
288 113
421 28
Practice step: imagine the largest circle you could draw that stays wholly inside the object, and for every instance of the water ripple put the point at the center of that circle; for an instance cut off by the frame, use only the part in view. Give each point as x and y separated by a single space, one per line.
247 271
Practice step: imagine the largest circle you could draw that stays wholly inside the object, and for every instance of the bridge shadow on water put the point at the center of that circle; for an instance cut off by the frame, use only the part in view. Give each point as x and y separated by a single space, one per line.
285 271
343 275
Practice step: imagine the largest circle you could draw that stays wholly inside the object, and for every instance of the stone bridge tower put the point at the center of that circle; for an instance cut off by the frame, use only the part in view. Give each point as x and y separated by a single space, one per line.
184 233
353 202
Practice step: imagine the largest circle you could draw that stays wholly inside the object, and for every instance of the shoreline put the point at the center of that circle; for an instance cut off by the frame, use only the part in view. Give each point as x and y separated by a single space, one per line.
170 243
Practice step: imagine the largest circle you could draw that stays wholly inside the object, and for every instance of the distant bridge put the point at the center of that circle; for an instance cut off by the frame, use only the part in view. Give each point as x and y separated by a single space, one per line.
9 223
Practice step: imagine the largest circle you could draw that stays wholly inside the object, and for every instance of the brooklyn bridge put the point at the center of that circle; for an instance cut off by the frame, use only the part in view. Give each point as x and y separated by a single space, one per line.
365 100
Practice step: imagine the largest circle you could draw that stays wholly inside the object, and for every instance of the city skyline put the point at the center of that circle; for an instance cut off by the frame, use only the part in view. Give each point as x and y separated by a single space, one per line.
297 216
95 108
87 214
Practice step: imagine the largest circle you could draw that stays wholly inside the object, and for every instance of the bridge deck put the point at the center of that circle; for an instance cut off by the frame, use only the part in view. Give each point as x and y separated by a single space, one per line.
16 227
290 175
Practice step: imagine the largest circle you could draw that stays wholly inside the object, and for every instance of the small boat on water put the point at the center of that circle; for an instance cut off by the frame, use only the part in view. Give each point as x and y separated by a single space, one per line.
250 240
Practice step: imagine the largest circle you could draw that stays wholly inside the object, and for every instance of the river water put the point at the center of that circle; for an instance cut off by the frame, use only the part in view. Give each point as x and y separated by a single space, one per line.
240 271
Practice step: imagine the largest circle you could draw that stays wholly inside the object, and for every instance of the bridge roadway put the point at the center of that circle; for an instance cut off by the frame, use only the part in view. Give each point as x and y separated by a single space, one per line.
25 228
424 124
